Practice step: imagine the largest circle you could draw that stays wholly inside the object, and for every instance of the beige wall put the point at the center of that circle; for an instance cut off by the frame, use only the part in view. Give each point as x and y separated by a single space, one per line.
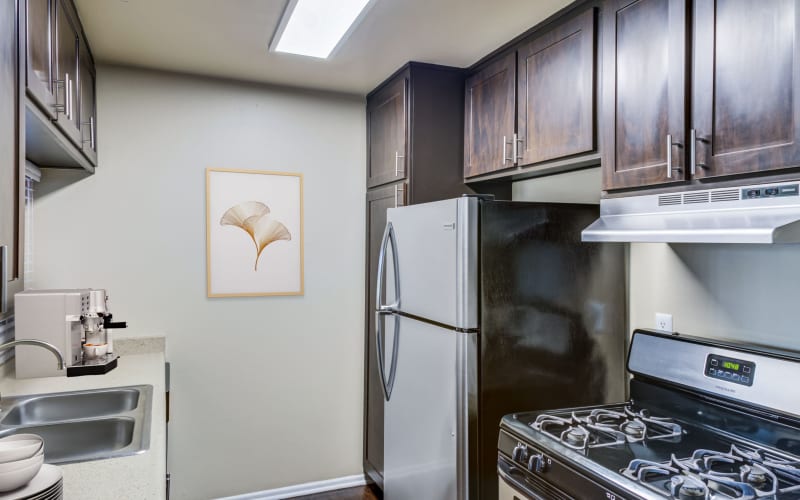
741 292
266 392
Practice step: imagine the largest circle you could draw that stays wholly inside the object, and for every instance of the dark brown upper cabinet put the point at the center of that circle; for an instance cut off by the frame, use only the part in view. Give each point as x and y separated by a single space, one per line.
643 99
12 169
556 92
66 70
39 77
387 119
746 76
744 116
88 105
535 103
60 111
489 116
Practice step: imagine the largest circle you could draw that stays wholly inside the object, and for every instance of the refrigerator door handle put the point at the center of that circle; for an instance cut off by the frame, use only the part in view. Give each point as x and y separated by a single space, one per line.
387 309
388 239
387 385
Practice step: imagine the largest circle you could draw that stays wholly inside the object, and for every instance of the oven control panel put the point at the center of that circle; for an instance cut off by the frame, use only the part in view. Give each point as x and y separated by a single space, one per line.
730 370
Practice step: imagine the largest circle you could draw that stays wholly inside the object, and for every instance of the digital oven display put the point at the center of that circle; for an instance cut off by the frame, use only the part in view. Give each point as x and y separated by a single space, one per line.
730 370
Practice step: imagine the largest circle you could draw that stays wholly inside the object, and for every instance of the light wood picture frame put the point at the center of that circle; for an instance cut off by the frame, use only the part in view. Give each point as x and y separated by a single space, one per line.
254 233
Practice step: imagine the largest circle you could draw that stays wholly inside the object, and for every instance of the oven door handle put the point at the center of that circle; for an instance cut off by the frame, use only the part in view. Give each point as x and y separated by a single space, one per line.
506 471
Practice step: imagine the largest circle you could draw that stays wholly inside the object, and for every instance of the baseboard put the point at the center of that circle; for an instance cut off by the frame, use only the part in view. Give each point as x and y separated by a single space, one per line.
298 490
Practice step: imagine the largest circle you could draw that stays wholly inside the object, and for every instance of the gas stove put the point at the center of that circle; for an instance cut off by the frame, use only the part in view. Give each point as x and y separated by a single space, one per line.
710 436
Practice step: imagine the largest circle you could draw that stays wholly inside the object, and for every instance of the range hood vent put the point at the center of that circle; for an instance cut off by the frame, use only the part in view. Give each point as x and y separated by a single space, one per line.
765 213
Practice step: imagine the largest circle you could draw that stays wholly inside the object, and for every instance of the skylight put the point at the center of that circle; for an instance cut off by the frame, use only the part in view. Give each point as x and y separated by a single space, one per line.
315 27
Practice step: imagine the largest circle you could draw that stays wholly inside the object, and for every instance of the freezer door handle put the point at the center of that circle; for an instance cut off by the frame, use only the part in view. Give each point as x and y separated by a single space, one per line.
387 309
388 239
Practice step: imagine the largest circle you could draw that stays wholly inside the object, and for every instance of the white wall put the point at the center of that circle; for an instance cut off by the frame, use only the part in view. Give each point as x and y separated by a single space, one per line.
266 392
747 293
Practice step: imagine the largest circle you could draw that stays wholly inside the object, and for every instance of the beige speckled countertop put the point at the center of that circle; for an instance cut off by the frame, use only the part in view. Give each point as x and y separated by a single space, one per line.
140 476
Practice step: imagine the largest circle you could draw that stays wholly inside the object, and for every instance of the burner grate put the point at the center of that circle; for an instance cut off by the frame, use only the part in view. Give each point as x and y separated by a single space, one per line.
605 427
709 474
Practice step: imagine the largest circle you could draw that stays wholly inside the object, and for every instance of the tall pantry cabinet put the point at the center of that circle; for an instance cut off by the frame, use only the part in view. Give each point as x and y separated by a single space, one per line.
414 155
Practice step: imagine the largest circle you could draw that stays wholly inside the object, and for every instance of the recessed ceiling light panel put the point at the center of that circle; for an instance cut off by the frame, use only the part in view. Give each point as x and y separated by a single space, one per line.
315 27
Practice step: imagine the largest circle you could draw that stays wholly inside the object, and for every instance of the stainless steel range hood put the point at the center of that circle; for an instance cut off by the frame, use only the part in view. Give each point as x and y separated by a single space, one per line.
764 213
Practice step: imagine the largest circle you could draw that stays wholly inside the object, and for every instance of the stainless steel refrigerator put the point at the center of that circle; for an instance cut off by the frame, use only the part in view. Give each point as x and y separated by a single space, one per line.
486 308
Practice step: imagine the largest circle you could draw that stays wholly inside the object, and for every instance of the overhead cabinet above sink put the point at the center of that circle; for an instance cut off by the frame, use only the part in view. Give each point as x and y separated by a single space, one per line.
61 121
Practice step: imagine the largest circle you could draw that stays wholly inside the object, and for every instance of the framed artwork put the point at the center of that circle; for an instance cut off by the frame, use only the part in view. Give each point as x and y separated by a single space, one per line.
254 233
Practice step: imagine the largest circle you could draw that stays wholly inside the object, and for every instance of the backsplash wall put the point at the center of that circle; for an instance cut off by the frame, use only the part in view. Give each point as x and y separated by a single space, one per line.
256 382
739 292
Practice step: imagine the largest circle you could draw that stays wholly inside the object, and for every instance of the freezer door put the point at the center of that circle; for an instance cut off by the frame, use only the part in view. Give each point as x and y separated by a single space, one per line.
436 253
420 421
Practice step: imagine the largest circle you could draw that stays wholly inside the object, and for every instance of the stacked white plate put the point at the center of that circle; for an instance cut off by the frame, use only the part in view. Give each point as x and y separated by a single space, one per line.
46 485
21 458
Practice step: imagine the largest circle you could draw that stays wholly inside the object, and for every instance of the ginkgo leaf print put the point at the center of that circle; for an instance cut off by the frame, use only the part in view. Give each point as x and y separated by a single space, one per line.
253 218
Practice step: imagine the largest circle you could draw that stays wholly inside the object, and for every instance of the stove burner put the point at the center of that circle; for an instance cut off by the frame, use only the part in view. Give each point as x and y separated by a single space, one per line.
635 428
687 488
576 436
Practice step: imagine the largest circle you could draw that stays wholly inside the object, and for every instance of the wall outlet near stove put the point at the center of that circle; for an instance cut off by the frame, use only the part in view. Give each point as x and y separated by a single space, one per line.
664 322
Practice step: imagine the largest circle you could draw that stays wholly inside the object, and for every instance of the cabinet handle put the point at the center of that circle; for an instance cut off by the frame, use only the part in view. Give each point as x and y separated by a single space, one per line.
91 130
670 168
398 190
60 84
69 97
693 154
4 279
517 142
90 140
506 142
397 170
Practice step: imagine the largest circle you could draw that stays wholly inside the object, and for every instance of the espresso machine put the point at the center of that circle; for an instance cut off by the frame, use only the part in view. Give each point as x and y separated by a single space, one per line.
76 321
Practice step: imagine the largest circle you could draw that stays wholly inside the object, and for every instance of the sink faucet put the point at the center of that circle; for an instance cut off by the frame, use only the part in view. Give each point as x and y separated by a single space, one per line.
41 343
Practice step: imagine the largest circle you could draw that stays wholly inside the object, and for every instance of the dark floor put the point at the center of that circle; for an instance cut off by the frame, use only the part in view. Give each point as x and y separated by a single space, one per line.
360 493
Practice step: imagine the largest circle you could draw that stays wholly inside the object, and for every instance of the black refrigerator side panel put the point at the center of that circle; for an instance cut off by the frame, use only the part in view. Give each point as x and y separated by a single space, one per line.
553 317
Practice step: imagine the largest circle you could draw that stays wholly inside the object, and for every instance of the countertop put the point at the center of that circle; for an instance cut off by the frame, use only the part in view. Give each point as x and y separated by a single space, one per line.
140 476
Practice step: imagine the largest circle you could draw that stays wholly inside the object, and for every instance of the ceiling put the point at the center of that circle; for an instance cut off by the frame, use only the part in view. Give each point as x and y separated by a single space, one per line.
229 38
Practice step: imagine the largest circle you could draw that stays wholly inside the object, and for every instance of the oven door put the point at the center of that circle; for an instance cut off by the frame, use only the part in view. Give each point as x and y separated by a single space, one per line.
509 492
514 485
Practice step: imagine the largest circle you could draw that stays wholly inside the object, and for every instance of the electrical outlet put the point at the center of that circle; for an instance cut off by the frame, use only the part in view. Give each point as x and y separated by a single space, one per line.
664 322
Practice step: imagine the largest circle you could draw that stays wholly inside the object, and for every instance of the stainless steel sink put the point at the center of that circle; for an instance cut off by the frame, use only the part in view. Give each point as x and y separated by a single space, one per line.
70 406
83 425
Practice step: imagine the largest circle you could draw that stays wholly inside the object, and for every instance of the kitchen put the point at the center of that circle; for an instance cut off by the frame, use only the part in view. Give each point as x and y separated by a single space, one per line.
267 394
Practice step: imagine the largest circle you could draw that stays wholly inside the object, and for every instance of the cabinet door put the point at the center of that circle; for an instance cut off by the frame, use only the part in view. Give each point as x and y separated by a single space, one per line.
644 56
66 62
39 68
556 92
489 116
387 122
88 105
378 201
746 110
10 165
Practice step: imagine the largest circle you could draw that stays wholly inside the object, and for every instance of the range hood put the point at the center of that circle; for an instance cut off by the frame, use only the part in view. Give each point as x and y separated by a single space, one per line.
765 213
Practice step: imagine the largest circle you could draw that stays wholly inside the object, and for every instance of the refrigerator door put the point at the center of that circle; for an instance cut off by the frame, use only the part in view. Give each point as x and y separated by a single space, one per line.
420 419
437 258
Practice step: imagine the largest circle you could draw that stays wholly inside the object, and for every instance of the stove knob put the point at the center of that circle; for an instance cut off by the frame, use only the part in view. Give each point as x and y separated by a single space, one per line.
537 463
520 453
